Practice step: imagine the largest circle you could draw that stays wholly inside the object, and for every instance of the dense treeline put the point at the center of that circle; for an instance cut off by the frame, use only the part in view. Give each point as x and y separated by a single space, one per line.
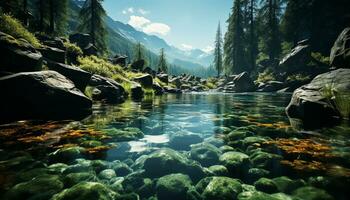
264 29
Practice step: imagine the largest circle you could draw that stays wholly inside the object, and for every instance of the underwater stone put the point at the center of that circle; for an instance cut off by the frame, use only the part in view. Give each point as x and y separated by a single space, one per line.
167 161
287 185
205 153
266 161
99 165
183 140
236 162
42 187
86 191
222 130
218 170
66 155
255 174
107 174
266 185
255 195
120 168
222 188
311 193
75 178
173 187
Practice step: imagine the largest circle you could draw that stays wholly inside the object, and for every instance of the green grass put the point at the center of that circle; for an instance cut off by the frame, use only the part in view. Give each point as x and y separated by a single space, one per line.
99 66
73 49
13 27
88 91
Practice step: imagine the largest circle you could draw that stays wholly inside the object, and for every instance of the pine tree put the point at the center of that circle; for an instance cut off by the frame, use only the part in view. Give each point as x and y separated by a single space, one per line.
218 51
139 52
162 64
234 37
92 17
271 36
253 44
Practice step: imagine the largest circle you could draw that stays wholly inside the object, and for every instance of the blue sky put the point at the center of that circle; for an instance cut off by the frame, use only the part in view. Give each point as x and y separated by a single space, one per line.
182 23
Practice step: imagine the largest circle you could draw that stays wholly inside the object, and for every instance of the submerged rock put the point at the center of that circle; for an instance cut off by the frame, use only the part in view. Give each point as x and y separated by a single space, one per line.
236 162
183 140
219 170
311 193
266 185
86 191
44 95
75 178
167 161
256 195
126 134
173 187
222 188
107 174
205 153
66 155
42 187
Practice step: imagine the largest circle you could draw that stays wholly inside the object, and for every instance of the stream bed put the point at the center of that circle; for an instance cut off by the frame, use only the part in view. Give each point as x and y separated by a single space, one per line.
189 146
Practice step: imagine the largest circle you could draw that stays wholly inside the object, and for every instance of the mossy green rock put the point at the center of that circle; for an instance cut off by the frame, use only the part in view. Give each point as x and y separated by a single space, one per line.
222 188
218 170
266 161
86 191
266 185
75 178
255 174
173 187
256 195
311 193
66 155
126 134
42 187
167 161
205 153
107 174
183 140
287 185
236 162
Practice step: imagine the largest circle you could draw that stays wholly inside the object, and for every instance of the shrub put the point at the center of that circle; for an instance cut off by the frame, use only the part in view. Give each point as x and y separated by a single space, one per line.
73 52
13 27
320 58
298 77
266 76
99 66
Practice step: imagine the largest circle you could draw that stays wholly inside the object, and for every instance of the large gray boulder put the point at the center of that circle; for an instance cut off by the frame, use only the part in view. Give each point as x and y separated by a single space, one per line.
241 83
17 55
53 54
311 105
41 95
79 77
145 80
340 53
107 89
297 59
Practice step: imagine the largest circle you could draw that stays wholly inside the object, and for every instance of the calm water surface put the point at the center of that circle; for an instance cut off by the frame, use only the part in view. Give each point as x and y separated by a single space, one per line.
122 137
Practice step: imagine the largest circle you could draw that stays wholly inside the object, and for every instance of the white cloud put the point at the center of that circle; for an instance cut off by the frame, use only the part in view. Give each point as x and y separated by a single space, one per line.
147 26
186 47
158 28
208 49
143 12
128 11
138 22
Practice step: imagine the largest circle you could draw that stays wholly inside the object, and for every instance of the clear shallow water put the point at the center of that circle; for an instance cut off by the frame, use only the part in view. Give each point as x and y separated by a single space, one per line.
122 137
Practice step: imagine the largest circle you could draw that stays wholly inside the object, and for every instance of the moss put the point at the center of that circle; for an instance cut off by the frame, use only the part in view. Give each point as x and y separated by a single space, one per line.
298 77
88 91
12 26
266 76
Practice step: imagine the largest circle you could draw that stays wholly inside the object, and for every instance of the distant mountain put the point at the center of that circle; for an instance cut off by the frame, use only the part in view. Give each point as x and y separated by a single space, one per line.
123 37
154 43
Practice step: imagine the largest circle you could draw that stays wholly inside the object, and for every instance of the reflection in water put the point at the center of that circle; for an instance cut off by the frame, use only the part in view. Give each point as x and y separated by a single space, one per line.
253 124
